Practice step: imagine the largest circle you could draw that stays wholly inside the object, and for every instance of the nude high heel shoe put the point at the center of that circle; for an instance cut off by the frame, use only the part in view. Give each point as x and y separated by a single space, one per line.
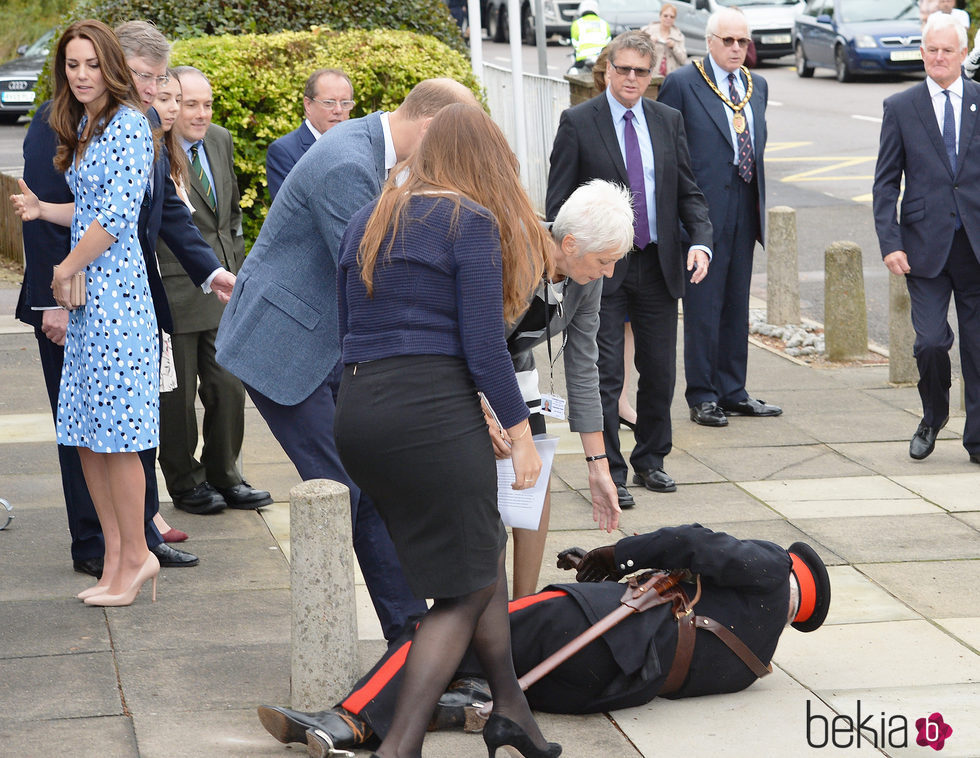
95 589
149 570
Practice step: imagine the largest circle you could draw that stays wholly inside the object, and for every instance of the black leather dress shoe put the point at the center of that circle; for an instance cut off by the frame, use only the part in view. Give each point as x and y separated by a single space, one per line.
708 414
655 480
171 557
202 500
626 500
924 440
90 566
245 497
751 407
339 727
459 705
974 457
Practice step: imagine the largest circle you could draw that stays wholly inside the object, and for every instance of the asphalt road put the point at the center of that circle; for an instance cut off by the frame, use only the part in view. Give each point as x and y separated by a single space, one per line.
823 138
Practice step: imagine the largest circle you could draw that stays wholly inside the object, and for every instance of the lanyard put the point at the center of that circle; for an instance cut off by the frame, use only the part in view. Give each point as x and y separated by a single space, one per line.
559 298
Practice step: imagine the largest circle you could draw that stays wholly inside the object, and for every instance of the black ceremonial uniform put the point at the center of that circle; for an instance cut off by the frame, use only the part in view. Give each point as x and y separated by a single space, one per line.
745 586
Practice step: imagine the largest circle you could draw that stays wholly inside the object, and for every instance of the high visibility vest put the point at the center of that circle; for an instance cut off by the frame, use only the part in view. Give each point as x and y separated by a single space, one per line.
589 35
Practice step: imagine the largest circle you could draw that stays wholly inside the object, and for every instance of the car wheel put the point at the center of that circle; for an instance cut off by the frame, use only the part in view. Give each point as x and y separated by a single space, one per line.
803 69
840 64
527 26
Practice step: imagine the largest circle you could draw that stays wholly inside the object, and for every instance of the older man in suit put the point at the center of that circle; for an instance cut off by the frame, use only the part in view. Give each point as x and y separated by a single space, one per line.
207 485
327 101
620 136
724 110
279 333
930 135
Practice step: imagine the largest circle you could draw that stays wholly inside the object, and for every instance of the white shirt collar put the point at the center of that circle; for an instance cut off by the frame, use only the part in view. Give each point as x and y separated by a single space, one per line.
309 125
391 158
721 76
956 88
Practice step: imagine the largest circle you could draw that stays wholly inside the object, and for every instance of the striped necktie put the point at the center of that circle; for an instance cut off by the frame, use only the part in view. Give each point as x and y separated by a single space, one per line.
202 178
746 158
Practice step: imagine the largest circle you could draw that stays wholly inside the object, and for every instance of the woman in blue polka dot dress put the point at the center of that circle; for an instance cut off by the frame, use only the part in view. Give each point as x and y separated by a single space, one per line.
108 405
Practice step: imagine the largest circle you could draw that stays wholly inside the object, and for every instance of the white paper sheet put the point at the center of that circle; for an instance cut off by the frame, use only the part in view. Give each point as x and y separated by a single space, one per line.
522 508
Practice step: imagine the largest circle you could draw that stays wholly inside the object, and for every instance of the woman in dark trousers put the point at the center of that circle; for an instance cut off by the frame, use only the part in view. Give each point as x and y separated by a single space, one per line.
428 275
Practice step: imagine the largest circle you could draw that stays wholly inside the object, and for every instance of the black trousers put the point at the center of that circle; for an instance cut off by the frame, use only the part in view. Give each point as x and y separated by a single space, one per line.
652 311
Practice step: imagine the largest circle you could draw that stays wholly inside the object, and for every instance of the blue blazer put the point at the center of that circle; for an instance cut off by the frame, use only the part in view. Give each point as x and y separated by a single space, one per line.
279 333
706 124
45 244
911 144
164 215
283 154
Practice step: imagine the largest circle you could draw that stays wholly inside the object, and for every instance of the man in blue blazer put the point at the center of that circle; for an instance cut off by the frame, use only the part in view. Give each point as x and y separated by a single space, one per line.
279 333
724 110
327 101
593 142
931 136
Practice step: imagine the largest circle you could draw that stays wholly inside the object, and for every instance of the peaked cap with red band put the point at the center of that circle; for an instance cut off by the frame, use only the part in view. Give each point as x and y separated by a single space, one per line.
811 575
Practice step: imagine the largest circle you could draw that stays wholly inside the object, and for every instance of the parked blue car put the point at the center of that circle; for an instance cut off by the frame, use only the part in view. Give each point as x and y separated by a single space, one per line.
858 37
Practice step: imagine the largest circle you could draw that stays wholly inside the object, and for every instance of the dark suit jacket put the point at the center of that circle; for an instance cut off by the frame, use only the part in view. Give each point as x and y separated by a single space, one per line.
706 124
586 148
283 154
192 309
285 300
911 144
165 216
45 244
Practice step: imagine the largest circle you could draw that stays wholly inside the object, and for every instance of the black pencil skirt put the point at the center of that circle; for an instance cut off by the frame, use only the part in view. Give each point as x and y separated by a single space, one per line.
411 434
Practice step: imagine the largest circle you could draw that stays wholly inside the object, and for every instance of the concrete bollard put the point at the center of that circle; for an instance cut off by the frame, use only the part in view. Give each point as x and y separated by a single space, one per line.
845 310
782 268
902 368
324 616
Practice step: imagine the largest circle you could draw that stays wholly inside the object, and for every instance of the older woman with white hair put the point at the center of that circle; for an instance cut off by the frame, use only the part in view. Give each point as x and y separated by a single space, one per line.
592 231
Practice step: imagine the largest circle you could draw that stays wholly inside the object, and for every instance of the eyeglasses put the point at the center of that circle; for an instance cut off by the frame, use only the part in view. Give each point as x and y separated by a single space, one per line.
344 105
729 41
625 71
163 81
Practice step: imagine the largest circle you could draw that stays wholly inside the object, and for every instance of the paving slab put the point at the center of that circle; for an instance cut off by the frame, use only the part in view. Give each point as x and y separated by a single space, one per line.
28 458
900 708
874 539
693 503
29 491
60 626
571 510
741 432
767 719
212 678
90 737
936 589
884 654
966 629
779 531
277 478
856 599
954 492
779 462
891 458
972 519
840 399
829 488
226 565
797 509
60 686
861 427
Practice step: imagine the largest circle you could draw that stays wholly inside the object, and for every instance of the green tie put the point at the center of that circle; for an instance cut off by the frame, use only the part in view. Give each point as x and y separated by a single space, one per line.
203 178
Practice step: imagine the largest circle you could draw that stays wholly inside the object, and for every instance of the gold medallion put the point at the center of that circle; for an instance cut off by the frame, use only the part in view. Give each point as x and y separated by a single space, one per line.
738 121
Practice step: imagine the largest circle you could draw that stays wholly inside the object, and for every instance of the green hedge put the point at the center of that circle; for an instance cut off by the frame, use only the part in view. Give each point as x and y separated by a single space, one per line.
258 86
181 19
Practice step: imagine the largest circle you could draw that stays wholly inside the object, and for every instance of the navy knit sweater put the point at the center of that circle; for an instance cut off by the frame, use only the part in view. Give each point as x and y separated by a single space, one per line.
439 292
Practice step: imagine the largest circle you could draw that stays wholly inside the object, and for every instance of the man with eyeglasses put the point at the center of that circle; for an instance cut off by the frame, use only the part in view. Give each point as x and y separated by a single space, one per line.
327 100
724 110
619 136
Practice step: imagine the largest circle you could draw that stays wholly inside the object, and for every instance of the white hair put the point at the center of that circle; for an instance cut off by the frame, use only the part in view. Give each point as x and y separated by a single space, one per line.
938 21
598 216
711 28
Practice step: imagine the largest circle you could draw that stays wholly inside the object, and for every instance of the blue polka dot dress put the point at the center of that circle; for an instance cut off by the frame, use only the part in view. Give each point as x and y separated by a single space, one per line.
109 400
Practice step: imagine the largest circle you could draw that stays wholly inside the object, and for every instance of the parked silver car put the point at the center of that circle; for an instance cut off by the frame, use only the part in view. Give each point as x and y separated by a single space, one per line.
771 22
19 76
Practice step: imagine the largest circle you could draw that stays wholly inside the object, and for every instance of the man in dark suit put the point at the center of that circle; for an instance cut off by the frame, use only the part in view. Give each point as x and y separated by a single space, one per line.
930 135
752 588
620 136
212 188
724 110
279 333
327 101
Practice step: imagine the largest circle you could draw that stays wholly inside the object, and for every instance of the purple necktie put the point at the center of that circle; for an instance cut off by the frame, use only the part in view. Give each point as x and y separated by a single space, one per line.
634 170
745 156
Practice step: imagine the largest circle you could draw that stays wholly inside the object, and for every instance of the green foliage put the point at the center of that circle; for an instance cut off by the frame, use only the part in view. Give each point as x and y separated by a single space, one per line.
179 19
258 86
23 21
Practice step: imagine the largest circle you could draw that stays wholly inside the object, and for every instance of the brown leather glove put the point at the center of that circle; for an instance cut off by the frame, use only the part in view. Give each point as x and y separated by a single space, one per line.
599 565
570 558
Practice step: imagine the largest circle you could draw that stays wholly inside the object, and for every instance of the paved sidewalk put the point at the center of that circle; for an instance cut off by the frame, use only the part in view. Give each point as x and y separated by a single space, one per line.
182 677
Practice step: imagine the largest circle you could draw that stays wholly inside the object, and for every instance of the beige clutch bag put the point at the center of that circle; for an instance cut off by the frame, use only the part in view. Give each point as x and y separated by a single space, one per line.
77 295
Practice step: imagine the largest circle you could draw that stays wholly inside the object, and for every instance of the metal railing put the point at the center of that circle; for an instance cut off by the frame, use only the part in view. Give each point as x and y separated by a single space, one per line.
544 100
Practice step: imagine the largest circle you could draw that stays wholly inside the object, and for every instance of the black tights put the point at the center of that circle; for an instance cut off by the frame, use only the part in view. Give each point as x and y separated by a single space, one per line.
442 638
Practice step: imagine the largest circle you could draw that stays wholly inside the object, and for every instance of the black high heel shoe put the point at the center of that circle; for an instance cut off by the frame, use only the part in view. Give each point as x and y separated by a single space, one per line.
501 730
631 425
